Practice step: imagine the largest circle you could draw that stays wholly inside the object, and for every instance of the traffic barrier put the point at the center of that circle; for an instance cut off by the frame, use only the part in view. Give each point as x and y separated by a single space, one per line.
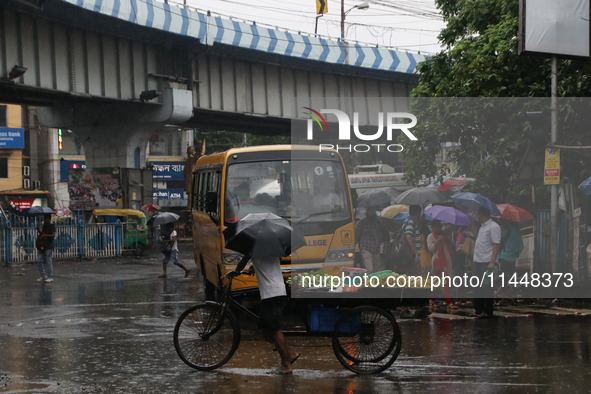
73 239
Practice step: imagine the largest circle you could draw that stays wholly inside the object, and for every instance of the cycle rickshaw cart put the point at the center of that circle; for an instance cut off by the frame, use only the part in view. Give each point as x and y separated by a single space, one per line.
365 339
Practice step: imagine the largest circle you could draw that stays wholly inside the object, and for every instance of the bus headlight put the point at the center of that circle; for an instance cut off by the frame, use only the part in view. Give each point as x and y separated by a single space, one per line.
232 258
339 255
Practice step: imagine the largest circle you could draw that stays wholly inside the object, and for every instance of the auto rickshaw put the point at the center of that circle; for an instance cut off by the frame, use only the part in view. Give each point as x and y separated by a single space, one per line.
135 231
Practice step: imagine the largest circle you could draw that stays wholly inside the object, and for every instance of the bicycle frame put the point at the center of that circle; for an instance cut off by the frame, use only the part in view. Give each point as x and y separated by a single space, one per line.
226 299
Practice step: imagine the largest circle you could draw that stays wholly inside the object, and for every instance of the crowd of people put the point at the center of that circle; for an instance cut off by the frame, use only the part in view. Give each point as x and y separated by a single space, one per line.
441 248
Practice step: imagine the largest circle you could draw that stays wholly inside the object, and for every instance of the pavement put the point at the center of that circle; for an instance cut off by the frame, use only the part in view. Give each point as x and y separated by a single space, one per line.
105 326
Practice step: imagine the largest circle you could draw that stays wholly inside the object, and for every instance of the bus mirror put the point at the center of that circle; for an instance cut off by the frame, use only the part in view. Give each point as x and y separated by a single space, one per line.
211 202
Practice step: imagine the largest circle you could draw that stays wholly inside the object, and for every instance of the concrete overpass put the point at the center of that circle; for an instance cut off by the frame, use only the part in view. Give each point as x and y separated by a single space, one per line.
92 65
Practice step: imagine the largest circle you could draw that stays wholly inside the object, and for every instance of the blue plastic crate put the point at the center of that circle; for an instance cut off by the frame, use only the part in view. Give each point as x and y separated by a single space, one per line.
324 320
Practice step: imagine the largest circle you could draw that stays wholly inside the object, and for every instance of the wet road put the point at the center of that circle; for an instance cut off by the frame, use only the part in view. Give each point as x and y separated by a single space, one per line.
106 327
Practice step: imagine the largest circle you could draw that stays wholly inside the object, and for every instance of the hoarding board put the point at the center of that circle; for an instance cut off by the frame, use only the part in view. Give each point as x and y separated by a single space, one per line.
168 170
551 27
12 138
92 188
169 194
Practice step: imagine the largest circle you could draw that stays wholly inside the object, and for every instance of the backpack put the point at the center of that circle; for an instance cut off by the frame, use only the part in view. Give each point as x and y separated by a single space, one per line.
166 247
401 251
40 242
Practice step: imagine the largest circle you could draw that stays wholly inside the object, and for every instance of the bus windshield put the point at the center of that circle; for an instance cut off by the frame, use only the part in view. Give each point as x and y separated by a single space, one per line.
303 191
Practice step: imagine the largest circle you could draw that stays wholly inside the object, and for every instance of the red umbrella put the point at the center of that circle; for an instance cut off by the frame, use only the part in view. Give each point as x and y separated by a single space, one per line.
151 208
451 182
513 213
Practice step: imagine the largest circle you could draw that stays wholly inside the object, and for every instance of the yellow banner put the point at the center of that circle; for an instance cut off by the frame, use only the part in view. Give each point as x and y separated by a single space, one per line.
552 167
321 7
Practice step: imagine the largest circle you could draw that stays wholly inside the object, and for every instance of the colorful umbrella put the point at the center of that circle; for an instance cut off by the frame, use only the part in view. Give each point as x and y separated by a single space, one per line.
449 215
401 218
473 202
151 208
513 213
393 210
451 182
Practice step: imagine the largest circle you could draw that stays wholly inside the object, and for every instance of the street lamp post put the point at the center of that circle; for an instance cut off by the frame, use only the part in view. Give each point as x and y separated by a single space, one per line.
363 6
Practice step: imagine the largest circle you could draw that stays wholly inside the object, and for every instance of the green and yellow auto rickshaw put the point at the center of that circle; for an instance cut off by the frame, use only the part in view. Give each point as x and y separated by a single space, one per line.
135 230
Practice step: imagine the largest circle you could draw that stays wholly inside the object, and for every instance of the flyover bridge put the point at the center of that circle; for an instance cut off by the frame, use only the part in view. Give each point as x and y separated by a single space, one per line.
92 67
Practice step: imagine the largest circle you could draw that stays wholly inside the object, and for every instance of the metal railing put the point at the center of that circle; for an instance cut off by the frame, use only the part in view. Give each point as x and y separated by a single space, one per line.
73 239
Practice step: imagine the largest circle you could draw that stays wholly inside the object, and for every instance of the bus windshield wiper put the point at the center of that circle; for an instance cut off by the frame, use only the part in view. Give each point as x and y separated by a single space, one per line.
314 214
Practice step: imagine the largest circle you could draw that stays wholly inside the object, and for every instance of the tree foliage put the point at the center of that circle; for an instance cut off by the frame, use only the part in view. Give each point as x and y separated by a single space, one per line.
480 60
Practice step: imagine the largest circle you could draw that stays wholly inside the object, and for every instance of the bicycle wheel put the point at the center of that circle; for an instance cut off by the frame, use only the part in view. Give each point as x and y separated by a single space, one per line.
366 340
206 336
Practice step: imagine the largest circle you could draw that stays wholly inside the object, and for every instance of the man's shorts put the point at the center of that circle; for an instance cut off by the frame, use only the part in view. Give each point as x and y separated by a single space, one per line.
270 314
174 255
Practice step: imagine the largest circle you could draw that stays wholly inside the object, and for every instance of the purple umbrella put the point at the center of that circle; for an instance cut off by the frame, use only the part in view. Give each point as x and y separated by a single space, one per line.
449 215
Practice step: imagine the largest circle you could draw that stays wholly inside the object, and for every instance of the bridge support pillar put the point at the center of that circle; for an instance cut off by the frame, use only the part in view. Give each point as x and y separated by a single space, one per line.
116 134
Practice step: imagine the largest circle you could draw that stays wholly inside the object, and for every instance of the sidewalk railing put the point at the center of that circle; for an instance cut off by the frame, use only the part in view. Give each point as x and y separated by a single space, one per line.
73 239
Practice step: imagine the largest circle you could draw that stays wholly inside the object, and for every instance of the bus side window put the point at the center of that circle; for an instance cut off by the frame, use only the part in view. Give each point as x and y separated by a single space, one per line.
195 194
201 192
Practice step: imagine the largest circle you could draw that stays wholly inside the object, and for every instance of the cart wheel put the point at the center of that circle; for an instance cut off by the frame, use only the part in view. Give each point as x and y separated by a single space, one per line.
366 340
206 336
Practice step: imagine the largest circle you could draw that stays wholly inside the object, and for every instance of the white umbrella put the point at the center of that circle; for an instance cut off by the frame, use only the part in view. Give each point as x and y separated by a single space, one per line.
165 217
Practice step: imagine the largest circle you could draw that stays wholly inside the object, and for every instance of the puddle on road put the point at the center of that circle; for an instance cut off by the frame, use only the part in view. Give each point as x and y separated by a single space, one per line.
23 387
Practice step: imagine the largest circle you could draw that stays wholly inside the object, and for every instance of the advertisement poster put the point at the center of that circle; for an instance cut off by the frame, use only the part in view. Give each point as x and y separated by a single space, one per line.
92 188
66 164
552 167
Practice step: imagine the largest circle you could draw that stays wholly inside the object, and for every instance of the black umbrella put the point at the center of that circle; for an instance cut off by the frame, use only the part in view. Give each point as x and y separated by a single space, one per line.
164 218
381 197
263 234
422 195
38 211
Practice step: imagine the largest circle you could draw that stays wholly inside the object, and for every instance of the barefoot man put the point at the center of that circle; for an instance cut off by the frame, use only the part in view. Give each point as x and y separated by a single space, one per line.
273 300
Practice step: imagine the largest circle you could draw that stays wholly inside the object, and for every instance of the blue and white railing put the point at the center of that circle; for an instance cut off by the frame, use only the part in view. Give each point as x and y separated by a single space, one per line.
210 29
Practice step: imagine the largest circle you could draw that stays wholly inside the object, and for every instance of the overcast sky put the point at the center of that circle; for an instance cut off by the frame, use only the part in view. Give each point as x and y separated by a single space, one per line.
404 24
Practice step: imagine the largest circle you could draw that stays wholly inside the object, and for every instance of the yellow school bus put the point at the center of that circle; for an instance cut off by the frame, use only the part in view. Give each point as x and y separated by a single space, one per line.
307 187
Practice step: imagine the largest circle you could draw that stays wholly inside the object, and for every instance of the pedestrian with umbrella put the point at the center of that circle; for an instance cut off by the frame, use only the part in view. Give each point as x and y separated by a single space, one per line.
457 218
371 235
511 244
44 243
486 253
169 247
264 238
439 243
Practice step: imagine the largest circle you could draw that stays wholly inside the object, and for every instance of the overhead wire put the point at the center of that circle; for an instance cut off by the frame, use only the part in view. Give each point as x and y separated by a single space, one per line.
398 47
411 11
